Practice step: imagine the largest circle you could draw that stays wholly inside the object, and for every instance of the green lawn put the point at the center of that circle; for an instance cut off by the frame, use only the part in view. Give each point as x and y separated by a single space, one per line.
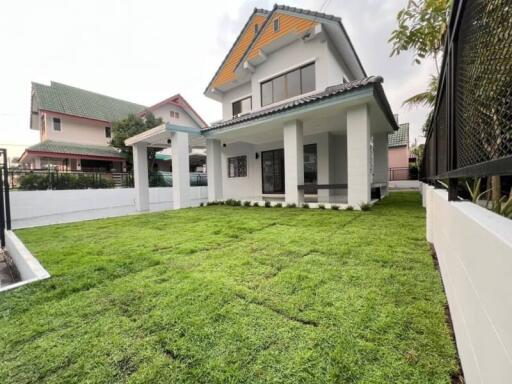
232 295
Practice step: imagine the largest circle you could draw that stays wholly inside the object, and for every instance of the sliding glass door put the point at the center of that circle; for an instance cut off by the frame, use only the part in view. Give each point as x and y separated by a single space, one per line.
272 170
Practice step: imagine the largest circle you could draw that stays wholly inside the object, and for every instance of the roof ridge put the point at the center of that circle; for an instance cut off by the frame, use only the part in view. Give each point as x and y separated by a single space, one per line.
94 93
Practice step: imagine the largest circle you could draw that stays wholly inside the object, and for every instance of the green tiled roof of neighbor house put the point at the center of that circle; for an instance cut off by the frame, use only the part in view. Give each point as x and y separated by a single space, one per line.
75 149
78 102
399 138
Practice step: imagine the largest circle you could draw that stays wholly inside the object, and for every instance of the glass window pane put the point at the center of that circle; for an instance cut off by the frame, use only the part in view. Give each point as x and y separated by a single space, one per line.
246 104
266 93
308 78
293 83
237 108
279 89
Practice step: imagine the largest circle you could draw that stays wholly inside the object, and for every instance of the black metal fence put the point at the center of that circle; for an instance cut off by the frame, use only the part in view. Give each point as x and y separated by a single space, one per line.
470 132
44 179
402 173
5 204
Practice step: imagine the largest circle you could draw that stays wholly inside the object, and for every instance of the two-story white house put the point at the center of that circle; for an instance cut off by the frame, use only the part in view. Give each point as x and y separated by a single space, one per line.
302 121
75 127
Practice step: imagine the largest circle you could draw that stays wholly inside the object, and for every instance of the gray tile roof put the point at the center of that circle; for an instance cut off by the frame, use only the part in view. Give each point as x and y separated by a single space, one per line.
332 91
63 98
75 149
400 137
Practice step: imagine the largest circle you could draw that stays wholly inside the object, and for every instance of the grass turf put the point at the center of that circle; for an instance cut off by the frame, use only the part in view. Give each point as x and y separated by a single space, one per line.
232 295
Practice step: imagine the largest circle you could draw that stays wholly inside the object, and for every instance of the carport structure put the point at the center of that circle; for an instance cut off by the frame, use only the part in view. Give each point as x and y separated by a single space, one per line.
180 139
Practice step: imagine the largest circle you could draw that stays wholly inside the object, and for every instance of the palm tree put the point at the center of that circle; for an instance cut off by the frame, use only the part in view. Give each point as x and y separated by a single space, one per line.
427 98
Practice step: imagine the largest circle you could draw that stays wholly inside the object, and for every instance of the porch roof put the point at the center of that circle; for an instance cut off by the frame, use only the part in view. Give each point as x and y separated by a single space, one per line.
374 82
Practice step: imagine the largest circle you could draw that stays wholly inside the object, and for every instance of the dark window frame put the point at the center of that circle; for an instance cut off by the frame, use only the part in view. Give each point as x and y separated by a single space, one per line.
108 132
284 75
240 101
59 121
239 166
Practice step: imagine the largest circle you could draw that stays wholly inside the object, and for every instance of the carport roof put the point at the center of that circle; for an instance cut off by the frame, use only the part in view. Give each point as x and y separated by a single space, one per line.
372 81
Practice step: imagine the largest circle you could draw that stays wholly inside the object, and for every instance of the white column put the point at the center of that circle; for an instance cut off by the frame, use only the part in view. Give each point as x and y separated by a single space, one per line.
180 170
358 156
214 169
293 161
325 161
380 151
140 176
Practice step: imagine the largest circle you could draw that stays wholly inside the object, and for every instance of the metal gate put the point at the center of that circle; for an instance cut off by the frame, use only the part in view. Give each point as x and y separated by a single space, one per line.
5 204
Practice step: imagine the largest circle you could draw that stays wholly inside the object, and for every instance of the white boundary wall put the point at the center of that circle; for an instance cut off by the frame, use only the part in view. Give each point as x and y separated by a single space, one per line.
474 249
404 184
35 208
28 266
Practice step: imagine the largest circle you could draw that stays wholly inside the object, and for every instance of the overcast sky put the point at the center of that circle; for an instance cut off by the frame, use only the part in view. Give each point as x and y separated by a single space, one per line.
147 50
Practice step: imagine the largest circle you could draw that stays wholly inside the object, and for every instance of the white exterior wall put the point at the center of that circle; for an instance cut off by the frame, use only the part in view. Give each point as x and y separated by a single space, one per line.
250 187
164 113
35 208
76 130
328 70
474 249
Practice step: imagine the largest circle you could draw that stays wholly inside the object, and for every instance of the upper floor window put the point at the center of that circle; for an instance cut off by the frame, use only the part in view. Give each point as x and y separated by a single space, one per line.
276 25
290 84
242 106
108 132
56 124
175 114
256 28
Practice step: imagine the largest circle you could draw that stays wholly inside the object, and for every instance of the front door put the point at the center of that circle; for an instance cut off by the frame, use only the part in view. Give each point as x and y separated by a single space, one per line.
272 170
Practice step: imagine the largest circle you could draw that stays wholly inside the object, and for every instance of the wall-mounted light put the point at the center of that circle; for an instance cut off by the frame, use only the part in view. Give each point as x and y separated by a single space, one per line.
224 145
257 155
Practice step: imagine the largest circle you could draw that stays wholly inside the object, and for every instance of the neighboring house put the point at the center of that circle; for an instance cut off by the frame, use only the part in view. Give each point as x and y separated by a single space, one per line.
75 127
398 143
300 116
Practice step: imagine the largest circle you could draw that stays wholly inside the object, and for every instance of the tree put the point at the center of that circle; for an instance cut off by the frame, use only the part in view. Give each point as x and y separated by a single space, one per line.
421 28
131 126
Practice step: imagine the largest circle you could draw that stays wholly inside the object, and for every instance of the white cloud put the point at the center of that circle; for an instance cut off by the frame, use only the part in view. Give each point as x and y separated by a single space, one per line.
147 50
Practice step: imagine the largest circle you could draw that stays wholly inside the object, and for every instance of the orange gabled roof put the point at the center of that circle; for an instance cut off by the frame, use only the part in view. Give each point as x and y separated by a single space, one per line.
287 24
226 71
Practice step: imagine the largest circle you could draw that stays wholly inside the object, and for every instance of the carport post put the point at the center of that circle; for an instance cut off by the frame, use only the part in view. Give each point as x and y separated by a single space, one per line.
140 176
180 170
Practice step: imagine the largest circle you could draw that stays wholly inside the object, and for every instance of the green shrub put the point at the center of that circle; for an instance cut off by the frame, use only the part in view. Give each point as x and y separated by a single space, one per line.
278 205
321 206
229 202
291 205
60 181
267 204
335 207
305 205
255 204
201 204
34 181
247 203
350 208
365 206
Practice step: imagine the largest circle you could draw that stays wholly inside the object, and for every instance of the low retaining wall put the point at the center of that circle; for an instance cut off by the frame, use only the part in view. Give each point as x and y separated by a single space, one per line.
474 249
28 267
404 184
35 208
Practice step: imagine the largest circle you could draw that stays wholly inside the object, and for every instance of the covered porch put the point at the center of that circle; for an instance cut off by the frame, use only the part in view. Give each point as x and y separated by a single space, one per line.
330 152
181 139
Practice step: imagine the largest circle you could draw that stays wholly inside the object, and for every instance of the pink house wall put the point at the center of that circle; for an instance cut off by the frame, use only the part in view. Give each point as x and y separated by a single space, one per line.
398 157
